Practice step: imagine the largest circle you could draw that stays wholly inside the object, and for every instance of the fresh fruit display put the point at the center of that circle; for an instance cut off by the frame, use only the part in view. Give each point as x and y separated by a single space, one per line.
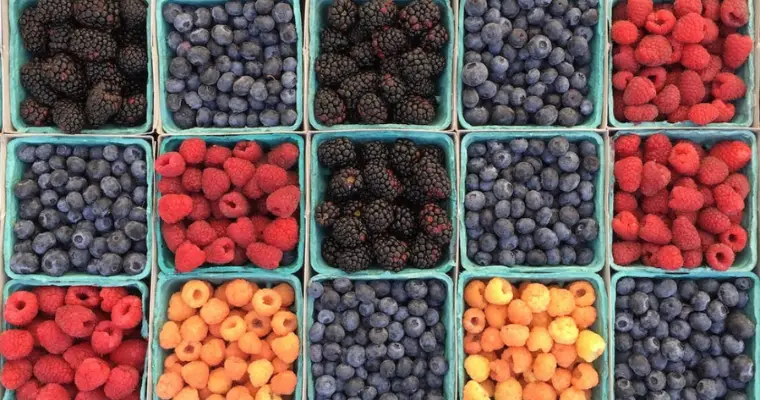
531 202
78 342
684 339
384 205
229 205
678 61
528 62
679 204
233 65
234 340
88 66
379 339
80 208
379 62
532 342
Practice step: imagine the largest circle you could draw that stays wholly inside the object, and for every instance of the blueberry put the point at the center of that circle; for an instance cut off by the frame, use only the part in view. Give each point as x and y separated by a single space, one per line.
474 74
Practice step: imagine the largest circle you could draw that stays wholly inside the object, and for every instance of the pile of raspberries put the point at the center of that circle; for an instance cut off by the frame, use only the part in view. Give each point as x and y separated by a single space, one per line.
676 61
229 206
676 203
78 342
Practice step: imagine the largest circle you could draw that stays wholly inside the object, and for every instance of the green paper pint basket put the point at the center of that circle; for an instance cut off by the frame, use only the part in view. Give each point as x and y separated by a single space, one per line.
320 180
598 245
601 391
745 259
14 171
19 56
171 143
165 55
442 120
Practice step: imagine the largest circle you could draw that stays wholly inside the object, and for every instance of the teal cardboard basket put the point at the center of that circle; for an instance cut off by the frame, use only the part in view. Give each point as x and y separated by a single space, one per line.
746 259
598 245
168 285
320 179
751 309
744 107
601 391
447 318
595 81
19 56
14 169
171 143
165 55
16 285
442 121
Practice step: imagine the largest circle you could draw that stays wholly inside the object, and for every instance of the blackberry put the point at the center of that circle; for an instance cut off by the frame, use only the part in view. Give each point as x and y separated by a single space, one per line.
106 71
69 116
92 45
354 259
133 13
364 54
33 80
65 76
392 89
374 150
413 192
330 250
419 16
424 252
133 60
377 215
136 36
98 14
404 224
414 110
381 181
345 183
391 65
435 223
336 153
359 34
103 102
333 41
349 232
377 14
434 152
33 31
135 84
34 113
326 213
417 64
58 37
390 253
353 88
371 109
434 39
329 108
341 14
389 42
422 87
352 208
403 156
432 178
133 110
333 68
54 11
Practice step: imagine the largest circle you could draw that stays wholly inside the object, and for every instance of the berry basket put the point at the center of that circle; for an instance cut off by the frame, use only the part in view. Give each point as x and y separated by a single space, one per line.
18 93
598 244
442 121
746 259
13 286
166 257
601 391
319 181
168 285
449 380
165 56
14 171
744 107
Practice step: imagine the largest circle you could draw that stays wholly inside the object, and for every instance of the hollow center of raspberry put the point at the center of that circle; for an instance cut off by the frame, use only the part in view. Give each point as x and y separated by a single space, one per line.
720 257
581 292
20 305
197 295
268 300
82 296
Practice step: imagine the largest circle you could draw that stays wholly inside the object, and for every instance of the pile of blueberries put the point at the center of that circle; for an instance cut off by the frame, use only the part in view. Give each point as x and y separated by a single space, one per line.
234 65
531 202
80 209
378 339
683 339
527 62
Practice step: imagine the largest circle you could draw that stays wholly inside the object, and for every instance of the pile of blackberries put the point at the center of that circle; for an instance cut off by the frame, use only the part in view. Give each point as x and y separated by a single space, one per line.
80 209
234 65
527 62
384 205
378 339
683 339
531 202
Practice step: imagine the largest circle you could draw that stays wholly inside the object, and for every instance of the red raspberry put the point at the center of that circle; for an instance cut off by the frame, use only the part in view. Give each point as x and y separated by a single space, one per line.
691 88
106 337
188 257
624 59
736 218
685 199
654 177
193 150
282 233
684 159
122 381
91 374
654 50
271 177
703 113
76 321
716 47
621 78
711 70
642 113
679 115
220 226
725 110
215 183
29 390
246 150
131 352
201 233
284 156
687 182
263 255
638 10
657 148
15 373
173 234
738 48
695 56
109 296
648 250
20 308
727 86
252 190
673 76
170 186
719 257
127 313
653 230
201 208
624 201
713 221
220 251
49 298
711 32
691 216
727 200
239 170
78 353
707 239
624 32
692 258
260 223
87 296
172 208
711 9
734 13
660 22
656 75
53 369
234 205
689 28
52 338
734 153
284 201
53 391
734 237
712 171
618 108
739 183
619 11
16 344
668 258
170 164
685 235
639 91
191 180
626 253
675 56
626 145
242 232
657 204
628 174
683 7
216 155
626 225
240 257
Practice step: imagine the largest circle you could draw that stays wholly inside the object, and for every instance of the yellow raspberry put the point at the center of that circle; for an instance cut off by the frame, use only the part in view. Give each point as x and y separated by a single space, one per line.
169 384
561 302
220 292
178 311
169 337
250 343
477 367
188 351
266 302
508 390
213 351
195 374
219 382
233 328
474 391
214 311
589 345
539 339
239 292
536 296
235 367
259 372
563 330
195 293
187 393
498 291
193 329
238 393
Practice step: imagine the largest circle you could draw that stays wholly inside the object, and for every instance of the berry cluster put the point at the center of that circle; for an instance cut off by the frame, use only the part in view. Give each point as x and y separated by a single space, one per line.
378 339
531 202
683 339
528 61
79 342
223 206
676 61
383 205
675 204
81 208
89 64
531 342
235 65
235 340
380 62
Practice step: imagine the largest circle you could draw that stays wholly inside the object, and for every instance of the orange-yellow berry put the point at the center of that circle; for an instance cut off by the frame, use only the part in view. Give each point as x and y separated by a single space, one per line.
214 311
287 295
259 372
193 329
250 343
496 316
258 324
284 383
565 354
169 384
519 359
561 379
500 370
233 328
498 291
284 322
519 312
583 292
239 292
514 335
238 393
195 293
536 296
584 377
539 391
544 367
561 302
539 340
589 345
213 351
572 393
475 391
474 294
233 350
187 393
474 320
178 311
235 368
286 347
188 351
490 340
266 302
219 382
563 330
195 374
169 337
477 367
541 319
510 389
584 317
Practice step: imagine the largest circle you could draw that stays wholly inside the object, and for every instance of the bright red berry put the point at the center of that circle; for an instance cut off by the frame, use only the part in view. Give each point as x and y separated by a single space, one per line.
719 257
